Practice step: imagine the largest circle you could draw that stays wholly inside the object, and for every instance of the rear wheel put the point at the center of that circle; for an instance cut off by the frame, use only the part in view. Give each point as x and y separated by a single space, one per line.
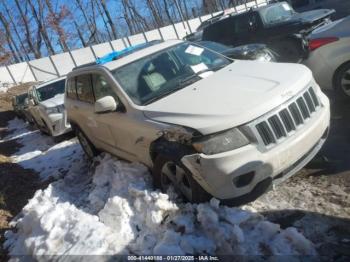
89 149
342 81
168 172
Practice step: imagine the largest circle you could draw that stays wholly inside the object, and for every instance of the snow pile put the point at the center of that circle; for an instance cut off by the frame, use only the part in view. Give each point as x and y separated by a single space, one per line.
113 209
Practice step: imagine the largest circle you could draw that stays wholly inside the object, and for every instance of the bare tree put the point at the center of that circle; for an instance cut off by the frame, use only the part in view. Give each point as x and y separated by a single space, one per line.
126 16
80 35
109 19
92 37
93 22
41 27
18 37
11 44
4 54
100 11
55 22
24 17
155 13
140 21
209 6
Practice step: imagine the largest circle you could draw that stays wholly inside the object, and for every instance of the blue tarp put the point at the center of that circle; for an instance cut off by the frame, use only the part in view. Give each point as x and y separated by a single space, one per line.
115 54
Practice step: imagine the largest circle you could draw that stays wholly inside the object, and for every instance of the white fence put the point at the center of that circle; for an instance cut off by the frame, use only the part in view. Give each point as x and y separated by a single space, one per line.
51 67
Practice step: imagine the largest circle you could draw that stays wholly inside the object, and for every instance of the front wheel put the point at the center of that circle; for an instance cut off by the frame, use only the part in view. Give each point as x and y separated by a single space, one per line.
168 172
342 81
89 149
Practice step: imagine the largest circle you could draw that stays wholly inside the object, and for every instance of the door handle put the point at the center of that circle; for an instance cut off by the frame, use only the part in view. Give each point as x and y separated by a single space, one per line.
75 107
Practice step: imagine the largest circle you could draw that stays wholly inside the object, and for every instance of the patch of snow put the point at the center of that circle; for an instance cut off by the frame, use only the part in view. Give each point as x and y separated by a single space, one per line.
112 209
39 152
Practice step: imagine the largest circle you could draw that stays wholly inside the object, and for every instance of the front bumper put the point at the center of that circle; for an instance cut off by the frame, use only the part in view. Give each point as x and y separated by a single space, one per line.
218 174
57 123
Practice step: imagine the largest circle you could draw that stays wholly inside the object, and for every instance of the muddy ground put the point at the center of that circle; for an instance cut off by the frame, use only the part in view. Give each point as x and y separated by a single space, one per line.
316 200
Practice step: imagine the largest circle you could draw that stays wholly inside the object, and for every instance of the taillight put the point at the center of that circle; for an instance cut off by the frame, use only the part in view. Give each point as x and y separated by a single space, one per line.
318 42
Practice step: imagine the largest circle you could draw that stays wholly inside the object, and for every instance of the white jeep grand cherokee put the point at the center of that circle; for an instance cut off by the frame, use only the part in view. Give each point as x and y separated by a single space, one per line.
205 124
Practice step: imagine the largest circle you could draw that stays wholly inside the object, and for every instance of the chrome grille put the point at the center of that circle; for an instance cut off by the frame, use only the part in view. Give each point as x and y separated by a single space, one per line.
285 121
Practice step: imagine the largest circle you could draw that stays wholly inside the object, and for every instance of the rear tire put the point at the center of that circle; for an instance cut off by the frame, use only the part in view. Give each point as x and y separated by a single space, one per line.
168 172
89 149
342 81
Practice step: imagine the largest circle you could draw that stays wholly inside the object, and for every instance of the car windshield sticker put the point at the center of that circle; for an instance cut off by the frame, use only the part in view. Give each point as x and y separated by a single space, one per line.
286 6
206 74
199 67
194 50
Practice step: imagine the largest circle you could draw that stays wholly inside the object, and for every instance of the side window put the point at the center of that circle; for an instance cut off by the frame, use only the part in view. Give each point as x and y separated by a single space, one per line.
84 88
242 24
71 91
102 87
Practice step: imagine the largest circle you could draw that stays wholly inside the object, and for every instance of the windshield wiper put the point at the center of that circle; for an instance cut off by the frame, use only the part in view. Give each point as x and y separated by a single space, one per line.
162 95
193 78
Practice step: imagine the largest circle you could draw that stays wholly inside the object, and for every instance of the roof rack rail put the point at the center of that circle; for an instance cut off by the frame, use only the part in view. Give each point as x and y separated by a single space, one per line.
118 54
84 65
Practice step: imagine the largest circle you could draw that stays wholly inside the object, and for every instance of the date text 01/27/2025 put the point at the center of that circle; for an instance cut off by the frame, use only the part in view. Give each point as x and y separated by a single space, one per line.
173 258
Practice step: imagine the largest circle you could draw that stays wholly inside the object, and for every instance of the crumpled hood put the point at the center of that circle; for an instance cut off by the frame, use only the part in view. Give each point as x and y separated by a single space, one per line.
54 101
232 96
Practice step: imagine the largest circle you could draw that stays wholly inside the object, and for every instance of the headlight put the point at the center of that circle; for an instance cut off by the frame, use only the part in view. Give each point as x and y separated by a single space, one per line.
264 57
221 142
52 110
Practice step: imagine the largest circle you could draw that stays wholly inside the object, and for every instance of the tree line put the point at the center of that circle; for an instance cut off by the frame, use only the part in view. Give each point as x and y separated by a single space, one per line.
31 29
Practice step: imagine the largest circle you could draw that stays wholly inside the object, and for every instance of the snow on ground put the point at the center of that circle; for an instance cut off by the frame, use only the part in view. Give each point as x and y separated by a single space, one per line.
40 153
113 209
110 207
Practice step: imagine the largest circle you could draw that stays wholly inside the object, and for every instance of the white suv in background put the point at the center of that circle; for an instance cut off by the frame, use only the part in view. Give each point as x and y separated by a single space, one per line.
205 124
46 105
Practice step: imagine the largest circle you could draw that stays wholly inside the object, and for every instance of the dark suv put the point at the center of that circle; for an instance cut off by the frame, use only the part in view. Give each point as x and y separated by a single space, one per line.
276 25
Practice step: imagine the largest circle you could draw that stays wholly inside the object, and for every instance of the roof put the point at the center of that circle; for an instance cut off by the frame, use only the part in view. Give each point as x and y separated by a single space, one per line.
140 53
50 81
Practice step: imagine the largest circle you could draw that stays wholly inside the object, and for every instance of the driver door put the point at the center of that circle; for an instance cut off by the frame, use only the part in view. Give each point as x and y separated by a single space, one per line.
112 128
34 107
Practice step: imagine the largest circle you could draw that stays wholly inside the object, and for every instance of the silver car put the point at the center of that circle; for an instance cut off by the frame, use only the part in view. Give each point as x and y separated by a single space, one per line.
329 58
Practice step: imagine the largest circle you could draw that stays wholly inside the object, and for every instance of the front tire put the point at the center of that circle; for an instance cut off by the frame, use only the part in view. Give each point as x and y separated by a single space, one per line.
168 172
89 149
342 81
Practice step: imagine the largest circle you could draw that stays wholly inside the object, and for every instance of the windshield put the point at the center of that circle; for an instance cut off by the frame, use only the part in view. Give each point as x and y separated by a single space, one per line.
50 90
220 48
157 75
21 98
277 13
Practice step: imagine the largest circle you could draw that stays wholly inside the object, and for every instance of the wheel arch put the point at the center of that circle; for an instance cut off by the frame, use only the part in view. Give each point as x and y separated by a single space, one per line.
336 72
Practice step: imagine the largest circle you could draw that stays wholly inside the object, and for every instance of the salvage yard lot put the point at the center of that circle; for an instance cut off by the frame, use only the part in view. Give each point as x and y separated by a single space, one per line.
109 206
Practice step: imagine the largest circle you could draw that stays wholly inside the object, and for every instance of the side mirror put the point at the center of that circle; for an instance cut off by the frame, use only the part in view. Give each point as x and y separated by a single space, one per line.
105 104
31 102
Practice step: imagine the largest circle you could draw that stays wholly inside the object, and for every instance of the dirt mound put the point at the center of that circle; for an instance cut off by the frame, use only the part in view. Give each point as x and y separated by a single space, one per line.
5 98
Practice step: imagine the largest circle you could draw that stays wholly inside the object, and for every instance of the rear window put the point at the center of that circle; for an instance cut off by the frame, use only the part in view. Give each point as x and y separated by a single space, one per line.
84 88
